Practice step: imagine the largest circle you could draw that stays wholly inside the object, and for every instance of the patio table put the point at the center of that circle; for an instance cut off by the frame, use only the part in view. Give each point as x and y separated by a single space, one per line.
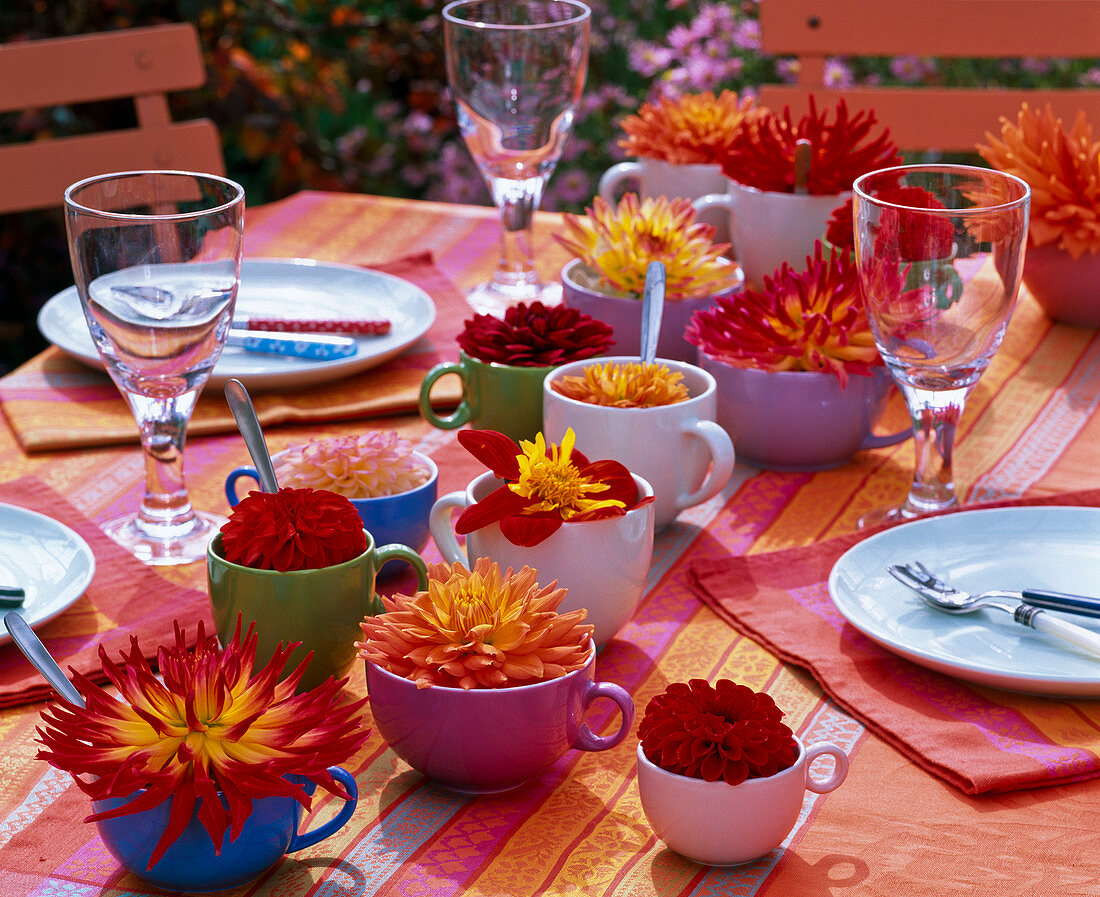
953 789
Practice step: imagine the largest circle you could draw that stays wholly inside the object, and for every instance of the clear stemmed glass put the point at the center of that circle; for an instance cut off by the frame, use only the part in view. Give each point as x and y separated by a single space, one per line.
516 69
157 259
940 251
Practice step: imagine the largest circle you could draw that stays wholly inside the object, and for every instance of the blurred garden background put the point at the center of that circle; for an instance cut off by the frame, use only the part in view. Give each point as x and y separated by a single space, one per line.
351 95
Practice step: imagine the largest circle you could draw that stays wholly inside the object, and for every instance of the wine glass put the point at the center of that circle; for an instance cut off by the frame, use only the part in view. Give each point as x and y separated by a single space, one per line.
157 260
940 251
516 69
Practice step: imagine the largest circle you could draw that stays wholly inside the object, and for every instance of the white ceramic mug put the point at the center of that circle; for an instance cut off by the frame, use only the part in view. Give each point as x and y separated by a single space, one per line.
656 177
725 825
680 449
604 564
768 228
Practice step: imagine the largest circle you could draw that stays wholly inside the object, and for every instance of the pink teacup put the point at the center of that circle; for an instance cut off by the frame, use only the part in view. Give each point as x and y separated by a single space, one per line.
725 825
487 740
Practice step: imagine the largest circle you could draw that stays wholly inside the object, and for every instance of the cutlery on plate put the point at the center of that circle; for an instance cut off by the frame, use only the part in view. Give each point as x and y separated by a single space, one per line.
945 597
40 657
1081 605
317 346
358 326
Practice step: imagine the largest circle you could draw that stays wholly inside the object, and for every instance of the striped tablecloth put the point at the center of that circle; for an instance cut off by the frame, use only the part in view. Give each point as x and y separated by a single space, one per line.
893 828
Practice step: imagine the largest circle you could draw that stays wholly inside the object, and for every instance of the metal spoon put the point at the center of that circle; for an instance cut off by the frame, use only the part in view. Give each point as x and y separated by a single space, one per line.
33 649
653 306
958 602
245 415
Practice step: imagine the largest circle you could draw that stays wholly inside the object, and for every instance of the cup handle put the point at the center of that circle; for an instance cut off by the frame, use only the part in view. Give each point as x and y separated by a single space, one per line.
615 175
840 771
871 441
586 739
231 483
720 447
397 552
461 414
439 523
308 839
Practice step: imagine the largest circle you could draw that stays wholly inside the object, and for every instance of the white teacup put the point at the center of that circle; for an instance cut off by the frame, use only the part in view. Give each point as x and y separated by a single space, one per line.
656 177
725 825
603 564
768 228
680 449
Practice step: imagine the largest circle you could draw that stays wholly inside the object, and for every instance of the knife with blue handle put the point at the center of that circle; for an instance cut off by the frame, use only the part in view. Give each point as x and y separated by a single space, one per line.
315 346
1070 604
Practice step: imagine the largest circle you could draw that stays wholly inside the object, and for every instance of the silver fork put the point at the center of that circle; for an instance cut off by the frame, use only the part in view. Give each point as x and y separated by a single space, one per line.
943 596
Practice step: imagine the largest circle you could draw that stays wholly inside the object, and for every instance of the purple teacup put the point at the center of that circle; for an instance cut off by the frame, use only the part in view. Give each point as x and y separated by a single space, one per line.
486 740
800 420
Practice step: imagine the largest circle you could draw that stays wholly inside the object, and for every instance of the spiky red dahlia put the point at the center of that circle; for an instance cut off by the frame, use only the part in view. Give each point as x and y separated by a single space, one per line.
535 336
208 727
924 238
762 154
724 732
811 320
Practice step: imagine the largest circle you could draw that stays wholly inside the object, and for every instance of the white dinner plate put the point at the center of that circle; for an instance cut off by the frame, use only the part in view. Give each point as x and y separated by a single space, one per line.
1000 548
290 288
48 560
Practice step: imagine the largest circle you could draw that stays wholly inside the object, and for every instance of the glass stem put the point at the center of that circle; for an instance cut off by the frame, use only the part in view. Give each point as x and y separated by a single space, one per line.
163 424
935 415
517 201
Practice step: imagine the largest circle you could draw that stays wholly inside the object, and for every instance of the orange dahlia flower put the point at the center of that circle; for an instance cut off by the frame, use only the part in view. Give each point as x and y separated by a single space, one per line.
207 728
477 628
688 130
618 244
1063 171
624 385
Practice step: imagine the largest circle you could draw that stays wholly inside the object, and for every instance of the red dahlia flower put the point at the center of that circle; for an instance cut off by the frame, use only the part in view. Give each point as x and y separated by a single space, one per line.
535 336
933 238
545 486
812 320
762 153
293 529
722 732
207 728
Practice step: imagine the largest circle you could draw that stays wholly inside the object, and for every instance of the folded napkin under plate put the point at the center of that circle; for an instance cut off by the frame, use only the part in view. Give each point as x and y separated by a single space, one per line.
977 738
96 415
125 598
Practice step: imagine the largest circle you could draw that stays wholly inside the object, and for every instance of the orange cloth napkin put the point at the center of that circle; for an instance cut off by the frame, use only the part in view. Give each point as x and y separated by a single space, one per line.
126 598
978 739
95 414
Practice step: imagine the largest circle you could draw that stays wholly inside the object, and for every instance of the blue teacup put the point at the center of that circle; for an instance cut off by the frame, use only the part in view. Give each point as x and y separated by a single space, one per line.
401 518
191 864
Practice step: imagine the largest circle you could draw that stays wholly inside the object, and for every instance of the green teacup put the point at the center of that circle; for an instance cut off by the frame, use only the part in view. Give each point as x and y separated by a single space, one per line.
320 608
495 396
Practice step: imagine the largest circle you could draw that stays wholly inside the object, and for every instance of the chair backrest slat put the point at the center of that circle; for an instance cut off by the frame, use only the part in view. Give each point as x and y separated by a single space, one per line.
144 64
949 119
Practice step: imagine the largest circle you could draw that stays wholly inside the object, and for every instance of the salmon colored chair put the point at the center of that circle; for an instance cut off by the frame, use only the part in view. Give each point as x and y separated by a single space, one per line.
143 63
931 118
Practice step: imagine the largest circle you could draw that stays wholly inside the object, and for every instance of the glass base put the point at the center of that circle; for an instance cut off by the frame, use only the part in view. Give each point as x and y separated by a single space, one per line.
182 544
495 299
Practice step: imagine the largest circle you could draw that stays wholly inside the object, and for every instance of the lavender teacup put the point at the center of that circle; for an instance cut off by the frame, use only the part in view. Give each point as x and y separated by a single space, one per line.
485 740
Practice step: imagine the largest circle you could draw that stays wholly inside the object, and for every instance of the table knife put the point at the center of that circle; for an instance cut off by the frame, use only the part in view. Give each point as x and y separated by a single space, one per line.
315 346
